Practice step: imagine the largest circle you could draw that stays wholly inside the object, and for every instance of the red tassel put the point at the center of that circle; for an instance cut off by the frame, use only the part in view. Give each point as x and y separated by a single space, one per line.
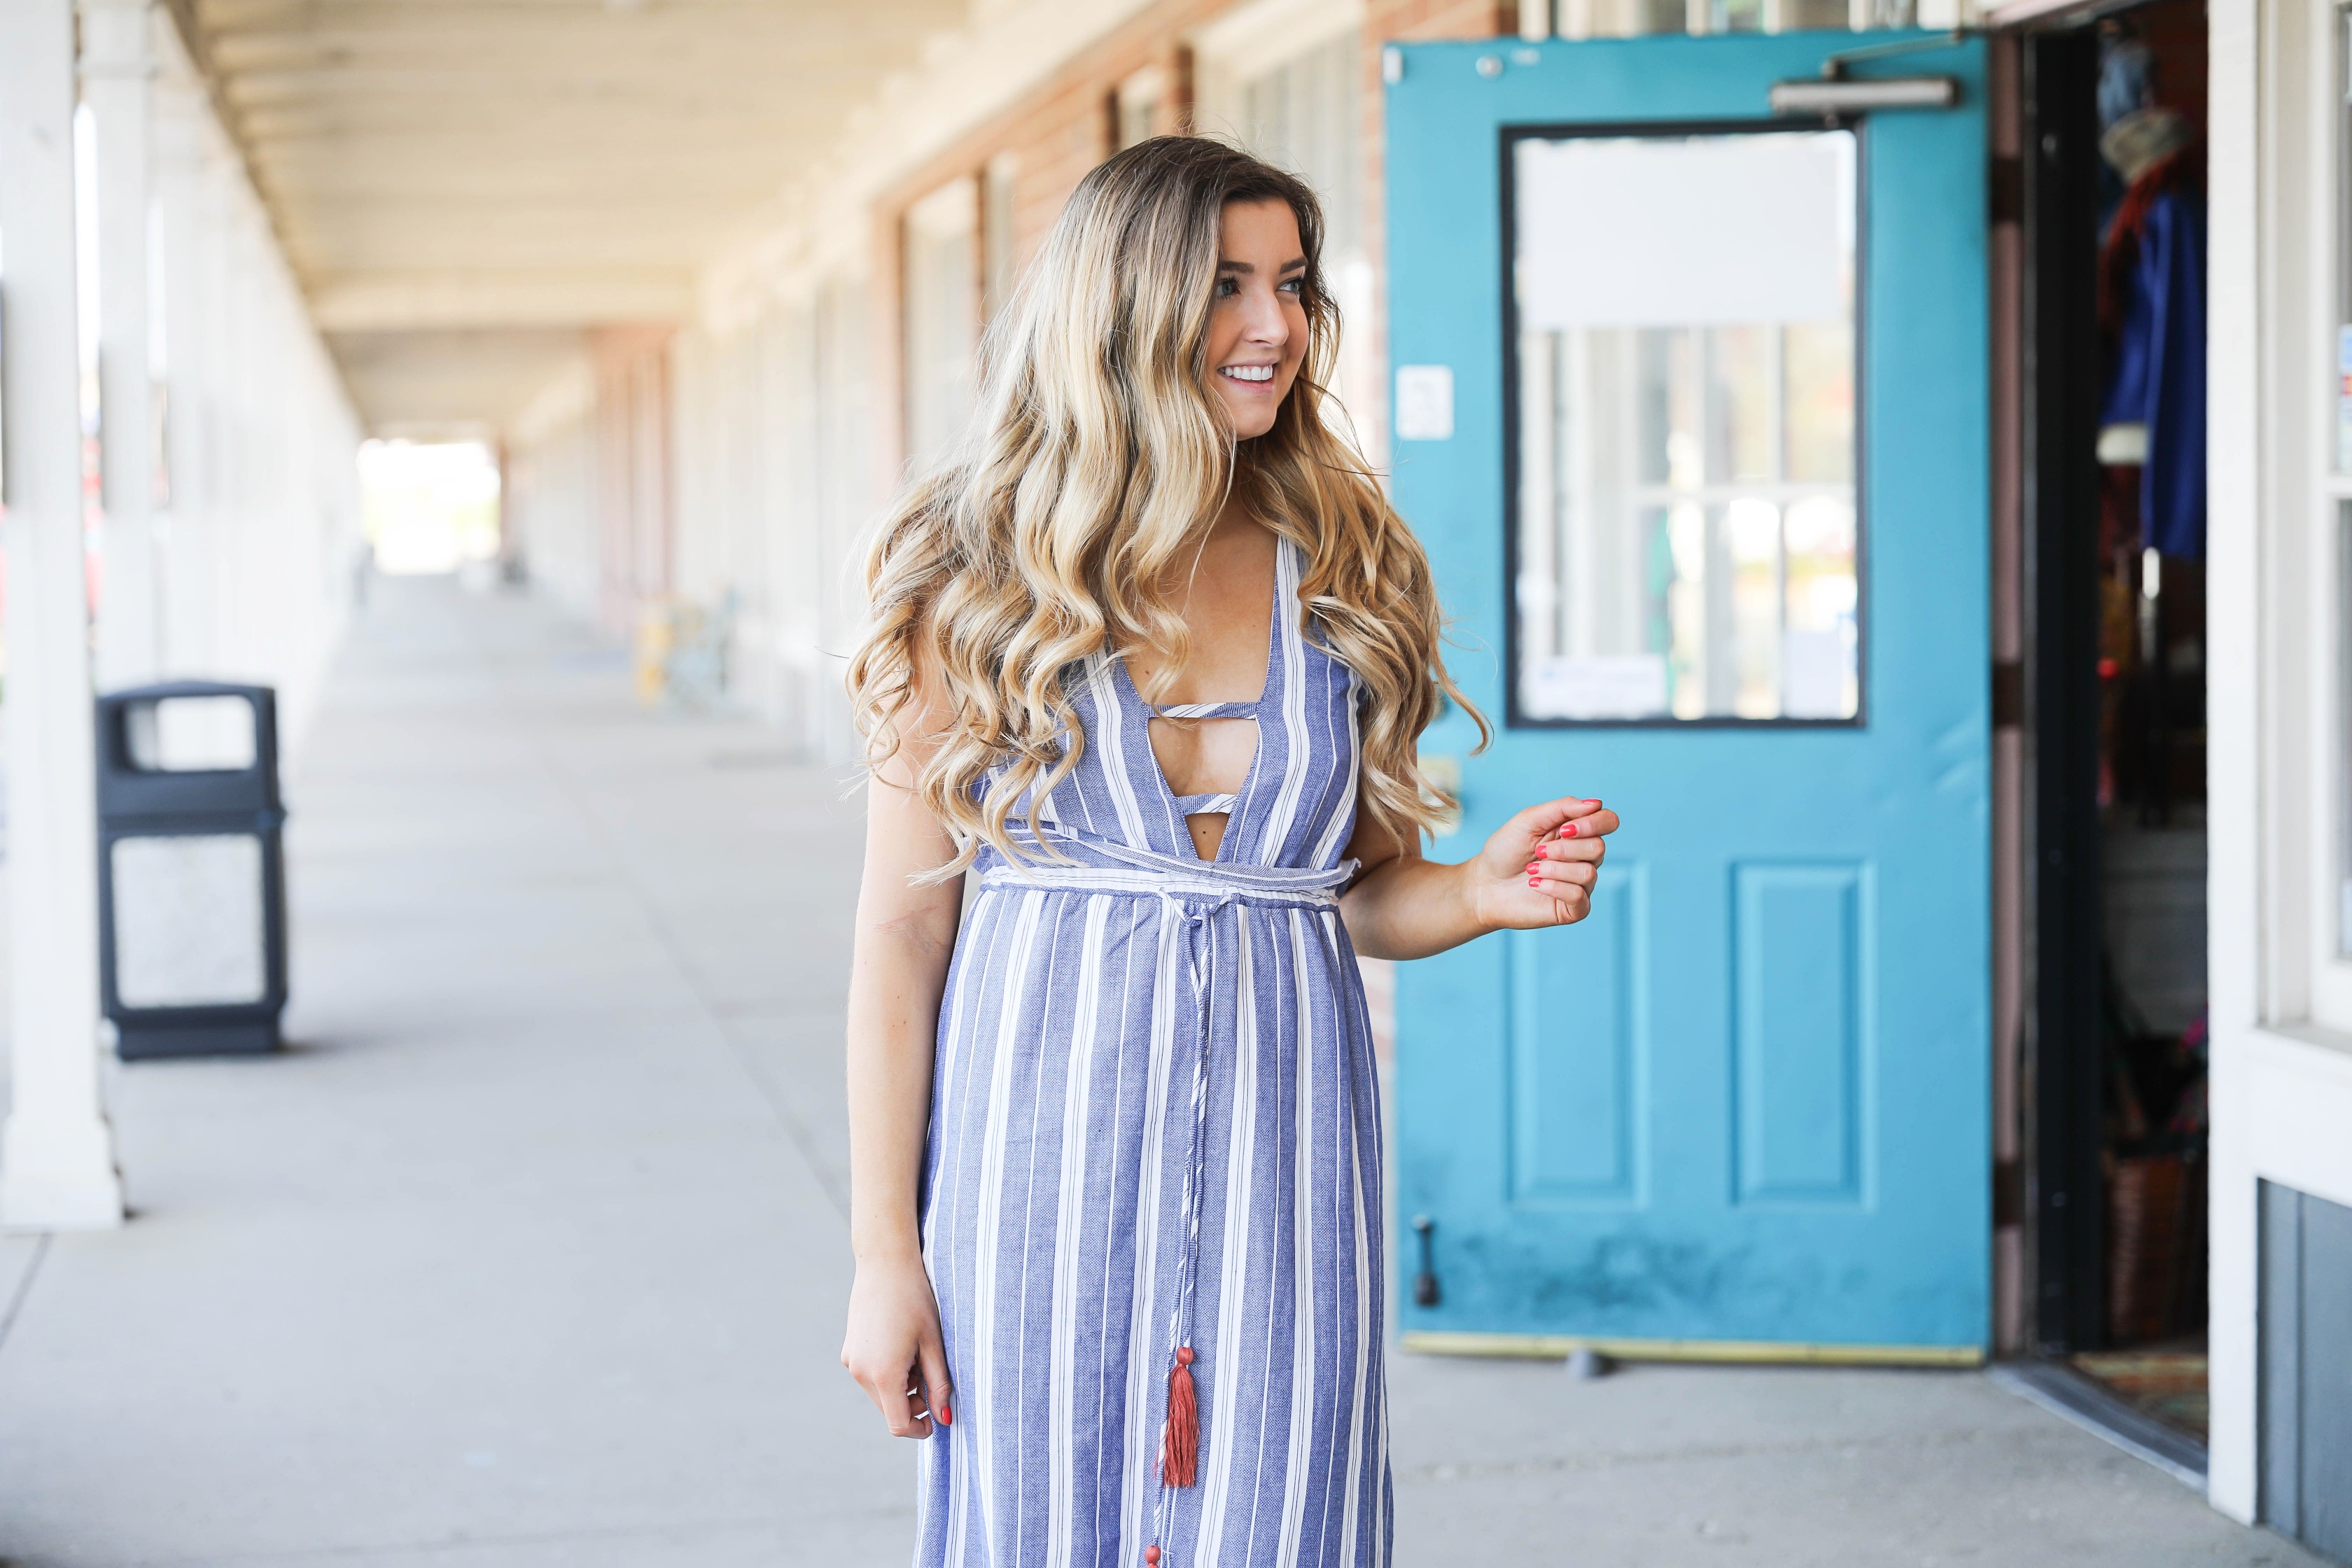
1180 1453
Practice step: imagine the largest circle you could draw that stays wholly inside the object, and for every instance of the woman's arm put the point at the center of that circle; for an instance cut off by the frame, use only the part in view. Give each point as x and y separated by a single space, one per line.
905 937
1537 870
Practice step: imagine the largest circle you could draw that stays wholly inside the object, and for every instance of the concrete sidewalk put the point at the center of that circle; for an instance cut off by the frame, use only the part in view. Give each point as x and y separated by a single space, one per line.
530 1253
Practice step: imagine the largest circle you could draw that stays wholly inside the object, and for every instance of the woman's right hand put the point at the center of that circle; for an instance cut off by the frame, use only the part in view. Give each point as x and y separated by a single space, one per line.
893 1348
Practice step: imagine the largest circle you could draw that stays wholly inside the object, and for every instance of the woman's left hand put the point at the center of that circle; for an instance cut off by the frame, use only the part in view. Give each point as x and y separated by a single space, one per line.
1539 868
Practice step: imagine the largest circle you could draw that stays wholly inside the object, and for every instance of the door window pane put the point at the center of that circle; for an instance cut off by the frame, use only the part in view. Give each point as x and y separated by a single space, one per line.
1686 530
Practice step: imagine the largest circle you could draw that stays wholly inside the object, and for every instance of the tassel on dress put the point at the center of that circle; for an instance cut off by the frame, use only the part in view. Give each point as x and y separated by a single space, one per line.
1180 1455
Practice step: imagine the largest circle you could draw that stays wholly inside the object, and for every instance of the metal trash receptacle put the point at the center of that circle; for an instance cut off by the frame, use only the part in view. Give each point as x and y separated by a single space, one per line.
192 869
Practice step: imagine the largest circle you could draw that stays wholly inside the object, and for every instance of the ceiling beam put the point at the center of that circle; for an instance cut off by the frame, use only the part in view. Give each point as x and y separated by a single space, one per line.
547 49
346 17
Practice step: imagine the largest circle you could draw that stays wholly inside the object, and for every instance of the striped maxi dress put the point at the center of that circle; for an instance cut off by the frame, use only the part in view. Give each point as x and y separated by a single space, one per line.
1155 1125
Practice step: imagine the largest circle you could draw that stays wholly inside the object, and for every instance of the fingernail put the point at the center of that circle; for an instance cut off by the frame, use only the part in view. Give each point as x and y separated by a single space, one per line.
1543 851
1531 882
1593 802
947 1416
1569 832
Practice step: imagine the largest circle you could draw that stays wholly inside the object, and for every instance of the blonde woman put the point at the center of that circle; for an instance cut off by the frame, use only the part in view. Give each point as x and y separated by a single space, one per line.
1151 655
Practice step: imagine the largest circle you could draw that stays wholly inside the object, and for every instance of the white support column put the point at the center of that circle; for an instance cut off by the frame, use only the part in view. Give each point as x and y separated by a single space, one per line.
2243 928
118 73
57 1154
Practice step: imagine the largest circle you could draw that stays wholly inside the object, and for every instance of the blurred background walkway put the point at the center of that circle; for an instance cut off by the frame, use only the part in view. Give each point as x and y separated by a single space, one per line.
529 1252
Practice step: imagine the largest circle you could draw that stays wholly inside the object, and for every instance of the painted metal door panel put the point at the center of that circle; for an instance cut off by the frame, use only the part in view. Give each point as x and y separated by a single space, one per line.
1747 1101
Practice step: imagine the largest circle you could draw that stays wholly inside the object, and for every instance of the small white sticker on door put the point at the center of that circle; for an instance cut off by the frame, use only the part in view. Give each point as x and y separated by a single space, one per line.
1424 403
1616 686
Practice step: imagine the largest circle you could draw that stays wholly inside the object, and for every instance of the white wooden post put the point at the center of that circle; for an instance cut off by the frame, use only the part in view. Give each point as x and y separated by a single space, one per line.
118 71
57 1154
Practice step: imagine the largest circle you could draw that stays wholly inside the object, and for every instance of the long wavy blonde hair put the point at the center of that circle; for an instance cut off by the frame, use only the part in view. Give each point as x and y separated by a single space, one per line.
1098 460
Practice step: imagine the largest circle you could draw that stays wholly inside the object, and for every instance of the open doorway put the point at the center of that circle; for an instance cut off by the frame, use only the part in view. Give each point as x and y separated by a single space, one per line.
2115 401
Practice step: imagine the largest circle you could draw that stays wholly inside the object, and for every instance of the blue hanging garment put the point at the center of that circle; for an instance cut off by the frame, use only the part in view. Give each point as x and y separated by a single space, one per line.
2155 307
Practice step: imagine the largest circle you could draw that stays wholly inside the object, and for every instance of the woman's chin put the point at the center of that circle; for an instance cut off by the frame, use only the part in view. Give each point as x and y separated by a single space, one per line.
1248 424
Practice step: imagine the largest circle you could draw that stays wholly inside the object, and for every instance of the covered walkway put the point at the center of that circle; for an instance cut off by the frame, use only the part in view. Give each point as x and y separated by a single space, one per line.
530 1252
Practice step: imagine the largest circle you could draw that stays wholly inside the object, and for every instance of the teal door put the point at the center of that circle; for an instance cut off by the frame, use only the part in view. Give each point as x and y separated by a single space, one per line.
1690 407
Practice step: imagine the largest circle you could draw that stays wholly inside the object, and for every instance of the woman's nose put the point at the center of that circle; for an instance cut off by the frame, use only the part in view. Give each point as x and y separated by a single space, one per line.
1267 324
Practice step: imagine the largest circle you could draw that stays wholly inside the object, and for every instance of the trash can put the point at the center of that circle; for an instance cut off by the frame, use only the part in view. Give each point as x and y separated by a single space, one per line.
191 871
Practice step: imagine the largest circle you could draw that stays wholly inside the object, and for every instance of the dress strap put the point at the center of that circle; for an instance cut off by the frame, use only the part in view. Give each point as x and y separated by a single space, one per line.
1185 879
1207 709
1205 805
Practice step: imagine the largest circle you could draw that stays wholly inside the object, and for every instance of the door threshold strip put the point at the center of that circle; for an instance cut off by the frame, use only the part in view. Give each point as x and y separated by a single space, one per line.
2073 1396
1753 1352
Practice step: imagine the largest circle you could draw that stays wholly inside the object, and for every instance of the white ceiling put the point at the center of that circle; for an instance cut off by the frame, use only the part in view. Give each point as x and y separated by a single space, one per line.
458 383
496 175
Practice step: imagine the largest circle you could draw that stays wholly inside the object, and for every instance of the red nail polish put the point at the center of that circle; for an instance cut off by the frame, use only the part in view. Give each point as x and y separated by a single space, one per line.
947 1418
1543 851
1593 802
1531 882
1569 832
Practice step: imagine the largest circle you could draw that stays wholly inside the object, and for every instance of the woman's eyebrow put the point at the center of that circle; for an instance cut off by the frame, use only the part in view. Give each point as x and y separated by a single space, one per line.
1296 264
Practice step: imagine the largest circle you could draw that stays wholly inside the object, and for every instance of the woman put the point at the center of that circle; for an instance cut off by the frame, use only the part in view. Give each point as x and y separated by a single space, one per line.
1153 655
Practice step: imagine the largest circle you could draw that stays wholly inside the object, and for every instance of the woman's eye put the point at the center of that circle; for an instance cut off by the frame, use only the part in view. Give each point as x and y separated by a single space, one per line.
1227 288
1295 286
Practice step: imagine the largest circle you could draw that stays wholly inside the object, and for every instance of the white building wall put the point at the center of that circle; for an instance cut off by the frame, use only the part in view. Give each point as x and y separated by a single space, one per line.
773 492
258 536
844 389
550 493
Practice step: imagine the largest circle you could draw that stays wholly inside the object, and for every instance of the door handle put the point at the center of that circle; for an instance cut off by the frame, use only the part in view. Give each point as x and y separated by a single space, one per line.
1425 1292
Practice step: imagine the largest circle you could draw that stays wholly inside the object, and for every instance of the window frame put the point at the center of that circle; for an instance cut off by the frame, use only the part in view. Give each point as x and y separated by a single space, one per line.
1508 137
2326 512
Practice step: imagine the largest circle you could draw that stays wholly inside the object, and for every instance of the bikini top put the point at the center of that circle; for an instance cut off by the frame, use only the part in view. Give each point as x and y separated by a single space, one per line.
1207 804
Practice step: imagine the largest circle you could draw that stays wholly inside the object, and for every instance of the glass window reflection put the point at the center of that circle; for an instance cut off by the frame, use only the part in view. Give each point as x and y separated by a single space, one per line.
1687 541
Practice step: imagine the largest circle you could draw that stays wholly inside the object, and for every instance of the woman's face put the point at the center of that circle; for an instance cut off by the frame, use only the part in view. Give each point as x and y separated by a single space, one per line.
1257 330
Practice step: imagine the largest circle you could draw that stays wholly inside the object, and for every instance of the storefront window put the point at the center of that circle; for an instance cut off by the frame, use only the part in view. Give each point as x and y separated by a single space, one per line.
2344 728
942 319
2343 462
1687 541
1306 114
2343 355
1632 18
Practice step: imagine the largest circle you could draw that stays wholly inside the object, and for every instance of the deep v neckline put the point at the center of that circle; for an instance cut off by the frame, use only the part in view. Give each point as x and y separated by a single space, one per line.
1276 672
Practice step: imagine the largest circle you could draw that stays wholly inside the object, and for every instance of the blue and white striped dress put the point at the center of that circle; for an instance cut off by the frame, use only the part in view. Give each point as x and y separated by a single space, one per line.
1154 1124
